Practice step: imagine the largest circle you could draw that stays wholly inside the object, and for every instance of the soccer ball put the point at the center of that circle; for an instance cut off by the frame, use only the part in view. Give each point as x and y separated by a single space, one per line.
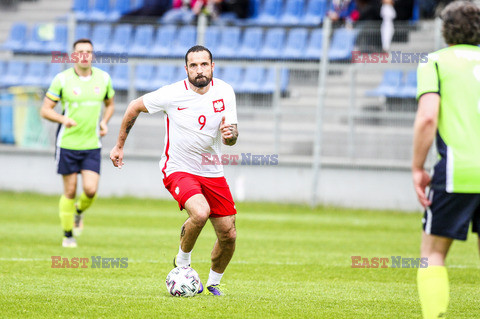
183 282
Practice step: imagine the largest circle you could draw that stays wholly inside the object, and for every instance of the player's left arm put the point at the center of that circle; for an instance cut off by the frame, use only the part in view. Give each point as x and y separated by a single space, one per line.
107 114
229 133
424 130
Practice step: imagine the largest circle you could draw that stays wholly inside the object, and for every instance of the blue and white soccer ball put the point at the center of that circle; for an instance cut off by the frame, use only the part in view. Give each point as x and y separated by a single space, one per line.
183 282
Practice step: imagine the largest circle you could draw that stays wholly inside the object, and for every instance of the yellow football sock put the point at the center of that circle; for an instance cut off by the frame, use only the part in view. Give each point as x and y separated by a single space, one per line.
433 290
67 210
84 202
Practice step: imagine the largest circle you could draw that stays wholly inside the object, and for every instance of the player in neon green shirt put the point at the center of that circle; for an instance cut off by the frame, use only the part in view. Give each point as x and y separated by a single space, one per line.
83 90
449 109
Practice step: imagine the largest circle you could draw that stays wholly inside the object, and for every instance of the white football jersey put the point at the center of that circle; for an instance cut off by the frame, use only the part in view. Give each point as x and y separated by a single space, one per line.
192 123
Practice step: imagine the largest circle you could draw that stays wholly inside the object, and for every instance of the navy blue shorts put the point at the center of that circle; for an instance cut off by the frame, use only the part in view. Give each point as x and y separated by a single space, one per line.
73 161
450 214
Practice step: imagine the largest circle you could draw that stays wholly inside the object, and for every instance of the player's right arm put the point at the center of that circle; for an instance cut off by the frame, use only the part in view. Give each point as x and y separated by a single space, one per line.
47 112
133 110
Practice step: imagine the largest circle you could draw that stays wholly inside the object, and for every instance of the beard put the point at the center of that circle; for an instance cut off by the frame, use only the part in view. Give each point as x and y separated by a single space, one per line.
200 81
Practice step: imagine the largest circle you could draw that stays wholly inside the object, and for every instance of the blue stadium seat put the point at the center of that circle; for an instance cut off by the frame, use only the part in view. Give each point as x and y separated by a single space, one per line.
142 41
409 87
52 70
13 75
82 31
293 12
121 40
271 79
37 42
81 9
270 12
164 74
342 45
314 13
120 8
143 77
59 43
103 66
164 39
17 37
233 76
179 74
314 45
120 76
100 11
35 74
101 37
212 39
251 43
186 38
296 44
390 85
229 42
273 44
253 78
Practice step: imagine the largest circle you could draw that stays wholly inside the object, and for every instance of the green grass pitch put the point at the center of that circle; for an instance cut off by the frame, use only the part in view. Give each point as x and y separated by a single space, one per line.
291 262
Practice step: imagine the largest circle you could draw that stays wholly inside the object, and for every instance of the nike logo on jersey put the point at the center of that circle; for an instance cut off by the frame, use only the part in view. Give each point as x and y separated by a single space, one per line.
182 108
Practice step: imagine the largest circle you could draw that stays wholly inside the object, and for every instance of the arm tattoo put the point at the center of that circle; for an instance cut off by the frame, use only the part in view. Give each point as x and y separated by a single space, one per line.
130 124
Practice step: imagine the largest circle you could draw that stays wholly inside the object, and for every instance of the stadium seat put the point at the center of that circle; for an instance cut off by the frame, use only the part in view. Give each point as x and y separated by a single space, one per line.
296 44
233 76
271 79
59 42
101 37
39 37
253 78
120 8
121 40
35 73
409 87
52 70
179 74
103 66
142 41
293 12
212 39
164 39
143 77
82 31
17 37
343 42
100 11
251 43
390 85
81 9
120 76
163 74
14 73
273 44
186 38
229 42
315 45
270 12
314 13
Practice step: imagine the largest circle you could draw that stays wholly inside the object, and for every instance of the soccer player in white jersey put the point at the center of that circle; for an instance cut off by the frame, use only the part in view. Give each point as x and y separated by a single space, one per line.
200 113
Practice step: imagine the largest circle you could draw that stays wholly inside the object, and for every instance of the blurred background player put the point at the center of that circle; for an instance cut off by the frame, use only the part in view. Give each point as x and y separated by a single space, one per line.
200 114
82 89
448 109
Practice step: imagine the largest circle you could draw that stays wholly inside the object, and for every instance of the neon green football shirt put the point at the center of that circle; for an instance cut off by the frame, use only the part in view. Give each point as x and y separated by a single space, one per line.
454 73
82 100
